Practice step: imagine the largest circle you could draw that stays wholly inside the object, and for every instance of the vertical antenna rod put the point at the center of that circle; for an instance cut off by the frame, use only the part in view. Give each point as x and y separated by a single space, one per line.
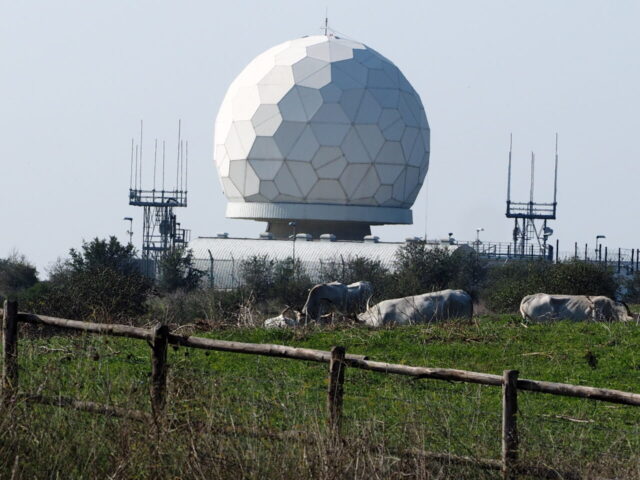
163 157
509 174
135 178
178 161
181 166
555 179
131 167
326 21
155 161
186 173
533 166
140 154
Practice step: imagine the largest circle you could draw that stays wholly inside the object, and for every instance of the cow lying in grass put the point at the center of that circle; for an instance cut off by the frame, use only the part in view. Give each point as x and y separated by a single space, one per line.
544 307
347 299
425 308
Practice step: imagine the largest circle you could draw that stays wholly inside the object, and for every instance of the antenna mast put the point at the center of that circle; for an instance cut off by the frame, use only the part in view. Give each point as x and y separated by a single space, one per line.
555 179
526 214
161 232
509 174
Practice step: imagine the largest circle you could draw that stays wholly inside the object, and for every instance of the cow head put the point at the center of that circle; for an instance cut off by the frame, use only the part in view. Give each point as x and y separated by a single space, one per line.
610 310
624 313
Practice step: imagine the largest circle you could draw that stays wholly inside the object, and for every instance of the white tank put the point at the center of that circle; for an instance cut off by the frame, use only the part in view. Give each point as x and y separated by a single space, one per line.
322 129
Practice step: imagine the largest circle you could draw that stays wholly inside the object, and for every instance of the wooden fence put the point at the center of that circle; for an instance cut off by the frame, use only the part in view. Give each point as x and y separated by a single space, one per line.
159 338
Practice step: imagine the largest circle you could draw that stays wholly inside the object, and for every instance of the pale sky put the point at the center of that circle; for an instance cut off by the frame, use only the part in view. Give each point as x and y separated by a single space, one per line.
77 77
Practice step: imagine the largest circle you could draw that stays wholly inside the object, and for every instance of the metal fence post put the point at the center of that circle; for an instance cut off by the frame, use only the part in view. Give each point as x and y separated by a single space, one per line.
10 351
619 259
509 424
336 388
159 370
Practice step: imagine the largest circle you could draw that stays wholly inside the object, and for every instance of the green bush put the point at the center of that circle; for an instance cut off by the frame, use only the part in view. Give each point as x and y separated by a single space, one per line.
257 275
358 268
508 283
16 275
283 281
101 282
207 306
420 268
176 271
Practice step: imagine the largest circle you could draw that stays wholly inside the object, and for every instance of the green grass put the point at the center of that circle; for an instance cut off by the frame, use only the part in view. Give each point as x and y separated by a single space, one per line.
210 389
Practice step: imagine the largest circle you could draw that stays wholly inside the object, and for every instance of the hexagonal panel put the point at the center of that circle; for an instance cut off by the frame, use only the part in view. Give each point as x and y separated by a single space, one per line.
332 170
327 191
304 174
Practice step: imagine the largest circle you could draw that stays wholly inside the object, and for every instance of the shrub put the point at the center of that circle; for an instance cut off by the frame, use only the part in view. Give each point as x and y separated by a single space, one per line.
283 281
510 282
354 269
291 283
99 282
420 268
257 275
176 271
16 275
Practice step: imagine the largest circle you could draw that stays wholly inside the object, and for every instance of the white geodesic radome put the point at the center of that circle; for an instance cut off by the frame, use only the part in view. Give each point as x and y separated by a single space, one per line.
322 128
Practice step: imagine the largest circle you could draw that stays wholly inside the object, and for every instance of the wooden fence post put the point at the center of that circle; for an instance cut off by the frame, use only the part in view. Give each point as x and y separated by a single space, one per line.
509 425
159 370
10 351
336 387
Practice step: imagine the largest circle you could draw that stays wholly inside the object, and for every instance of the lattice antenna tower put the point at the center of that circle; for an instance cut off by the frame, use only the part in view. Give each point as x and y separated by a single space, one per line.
161 232
528 238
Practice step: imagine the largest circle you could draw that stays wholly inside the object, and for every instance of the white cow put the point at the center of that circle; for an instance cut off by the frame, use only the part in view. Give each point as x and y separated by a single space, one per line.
425 308
545 307
352 298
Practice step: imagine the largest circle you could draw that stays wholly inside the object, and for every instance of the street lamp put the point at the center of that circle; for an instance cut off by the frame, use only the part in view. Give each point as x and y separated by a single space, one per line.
598 237
478 230
130 231
293 228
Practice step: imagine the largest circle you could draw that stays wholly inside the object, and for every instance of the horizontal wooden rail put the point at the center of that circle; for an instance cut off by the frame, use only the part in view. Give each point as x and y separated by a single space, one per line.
354 361
266 349
186 341
567 390
101 328
90 407
553 388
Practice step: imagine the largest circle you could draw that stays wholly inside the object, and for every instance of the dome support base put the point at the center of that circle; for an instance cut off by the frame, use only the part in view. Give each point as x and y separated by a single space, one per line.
342 230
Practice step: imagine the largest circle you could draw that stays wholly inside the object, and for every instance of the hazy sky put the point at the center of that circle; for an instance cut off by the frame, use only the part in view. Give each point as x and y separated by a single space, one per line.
76 78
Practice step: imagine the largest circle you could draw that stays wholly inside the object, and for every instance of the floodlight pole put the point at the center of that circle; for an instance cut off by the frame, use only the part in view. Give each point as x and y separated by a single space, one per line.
478 230
293 227
598 238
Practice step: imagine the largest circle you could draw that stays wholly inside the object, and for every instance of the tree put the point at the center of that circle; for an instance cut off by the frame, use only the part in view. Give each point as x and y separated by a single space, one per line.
177 272
101 281
16 275
420 268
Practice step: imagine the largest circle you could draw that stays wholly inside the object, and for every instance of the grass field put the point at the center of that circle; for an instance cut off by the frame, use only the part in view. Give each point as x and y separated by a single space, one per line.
384 415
